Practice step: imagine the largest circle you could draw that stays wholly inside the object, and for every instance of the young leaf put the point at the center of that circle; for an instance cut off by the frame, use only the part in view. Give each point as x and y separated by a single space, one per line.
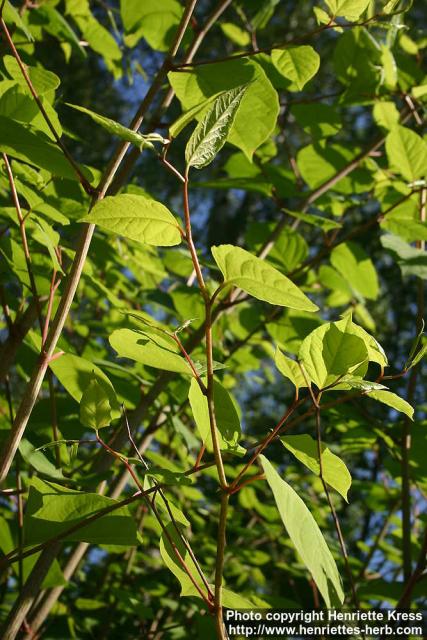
117 129
335 472
297 64
228 423
394 401
136 217
211 133
289 369
95 408
258 278
257 114
306 536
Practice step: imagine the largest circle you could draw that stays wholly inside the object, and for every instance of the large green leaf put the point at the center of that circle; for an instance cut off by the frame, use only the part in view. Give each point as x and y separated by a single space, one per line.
149 348
334 471
42 80
155 21
23 142
258 278
136 217
331 351
356 268
296 64
350 9
306 536
52 509
258 111
227 419
211 133
407 153
117 129
394 401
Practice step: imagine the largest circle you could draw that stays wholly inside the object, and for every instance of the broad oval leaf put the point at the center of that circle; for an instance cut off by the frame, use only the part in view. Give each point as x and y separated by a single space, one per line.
149 349
306 536
334 471
136 217
350 9
355 266
407 153
296 64
211 133
259 279
332 351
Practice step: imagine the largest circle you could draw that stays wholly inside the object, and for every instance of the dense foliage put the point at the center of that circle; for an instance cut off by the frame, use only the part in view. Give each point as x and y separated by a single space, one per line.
212 228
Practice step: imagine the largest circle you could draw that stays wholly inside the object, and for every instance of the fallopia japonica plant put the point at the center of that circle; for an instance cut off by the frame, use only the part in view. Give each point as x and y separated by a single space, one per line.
212 347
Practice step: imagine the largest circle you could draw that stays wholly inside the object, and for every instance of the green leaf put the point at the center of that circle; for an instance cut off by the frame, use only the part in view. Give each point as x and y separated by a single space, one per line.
11 16
136 217
316 221
334 471
52 509
289 369
34 147
95 408
349 9
412 261
227 419
258 278
117 129
186 117
259 108
149 349
418 356
43 80
76 373
211 133
306 536
155 21
296 64
386 115
355 382
171 560
38 460
394 401
351 261
332 351
407 153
